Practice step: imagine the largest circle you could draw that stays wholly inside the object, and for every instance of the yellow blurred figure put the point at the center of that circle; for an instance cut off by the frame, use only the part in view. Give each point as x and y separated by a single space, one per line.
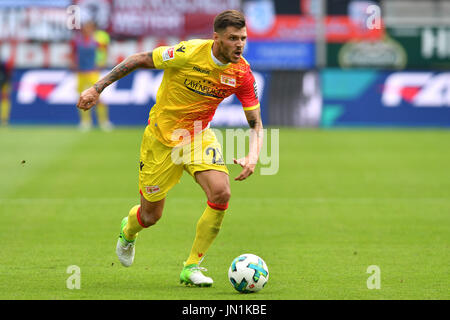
90 49
5 91
5 104
103 39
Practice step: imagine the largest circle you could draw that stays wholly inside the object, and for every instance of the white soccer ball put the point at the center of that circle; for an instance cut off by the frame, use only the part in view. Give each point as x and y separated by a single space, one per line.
248 273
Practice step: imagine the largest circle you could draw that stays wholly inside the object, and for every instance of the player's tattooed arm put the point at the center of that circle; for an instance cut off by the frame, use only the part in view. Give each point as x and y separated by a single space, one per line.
248 163
90 97
256 133
255 124
133 62
254 118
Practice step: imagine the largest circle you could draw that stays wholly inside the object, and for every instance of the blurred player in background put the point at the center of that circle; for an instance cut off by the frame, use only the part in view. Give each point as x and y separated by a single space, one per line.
5 91
198 75
90 49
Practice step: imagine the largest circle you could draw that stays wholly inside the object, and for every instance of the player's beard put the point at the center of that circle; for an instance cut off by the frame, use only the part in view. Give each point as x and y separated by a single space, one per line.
227 54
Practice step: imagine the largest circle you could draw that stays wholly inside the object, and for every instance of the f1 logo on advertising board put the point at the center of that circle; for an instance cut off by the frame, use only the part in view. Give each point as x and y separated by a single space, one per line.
420 89
380 98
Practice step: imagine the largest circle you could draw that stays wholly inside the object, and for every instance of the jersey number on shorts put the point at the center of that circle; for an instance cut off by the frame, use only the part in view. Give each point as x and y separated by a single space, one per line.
216 155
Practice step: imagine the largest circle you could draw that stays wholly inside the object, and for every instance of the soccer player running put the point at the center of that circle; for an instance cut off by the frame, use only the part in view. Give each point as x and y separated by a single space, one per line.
198 75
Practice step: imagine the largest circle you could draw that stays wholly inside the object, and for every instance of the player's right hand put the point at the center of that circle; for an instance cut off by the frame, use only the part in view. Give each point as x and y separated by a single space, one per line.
88 99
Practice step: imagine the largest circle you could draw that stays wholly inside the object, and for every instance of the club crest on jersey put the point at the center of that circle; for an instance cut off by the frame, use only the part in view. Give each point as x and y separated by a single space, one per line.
168 54
151 189
229 81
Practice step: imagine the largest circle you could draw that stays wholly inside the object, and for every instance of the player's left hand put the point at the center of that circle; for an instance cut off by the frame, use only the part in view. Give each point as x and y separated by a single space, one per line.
248 167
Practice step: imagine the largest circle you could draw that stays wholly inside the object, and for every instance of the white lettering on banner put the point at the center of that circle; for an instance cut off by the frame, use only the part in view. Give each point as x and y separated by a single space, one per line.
134 23
34 23
65 92
421 89
435 93
28 86
209 6
169 17
33 55
60 55
436 43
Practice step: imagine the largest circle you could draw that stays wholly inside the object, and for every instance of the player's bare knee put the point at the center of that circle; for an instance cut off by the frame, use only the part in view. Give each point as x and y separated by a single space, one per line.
149 218
151 212
220 195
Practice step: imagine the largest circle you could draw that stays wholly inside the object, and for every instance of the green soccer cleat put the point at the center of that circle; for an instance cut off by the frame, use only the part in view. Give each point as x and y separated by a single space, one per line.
192 275
124 248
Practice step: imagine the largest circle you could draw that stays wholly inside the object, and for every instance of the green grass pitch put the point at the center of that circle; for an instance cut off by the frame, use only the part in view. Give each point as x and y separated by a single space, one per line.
342 200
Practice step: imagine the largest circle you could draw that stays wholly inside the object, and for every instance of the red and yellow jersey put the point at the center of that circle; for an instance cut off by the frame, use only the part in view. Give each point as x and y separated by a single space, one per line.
192 87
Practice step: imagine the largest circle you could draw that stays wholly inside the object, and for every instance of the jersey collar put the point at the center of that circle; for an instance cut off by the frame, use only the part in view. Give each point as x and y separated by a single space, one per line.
213 59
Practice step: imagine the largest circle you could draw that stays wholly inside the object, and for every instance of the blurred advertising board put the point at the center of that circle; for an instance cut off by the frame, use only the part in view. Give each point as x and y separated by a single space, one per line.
35 3
34 21
49 96
303 28
400 48
295 98
386 53
280 55
166 18
270 20
263 55
426 47
282 34
385 98
45 20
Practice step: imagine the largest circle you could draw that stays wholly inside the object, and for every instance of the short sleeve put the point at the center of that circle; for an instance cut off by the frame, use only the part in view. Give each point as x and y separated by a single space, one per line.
169 57
247 93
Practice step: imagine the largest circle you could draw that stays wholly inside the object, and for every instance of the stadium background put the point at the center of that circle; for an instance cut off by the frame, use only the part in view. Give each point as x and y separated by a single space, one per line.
375 191
397 72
